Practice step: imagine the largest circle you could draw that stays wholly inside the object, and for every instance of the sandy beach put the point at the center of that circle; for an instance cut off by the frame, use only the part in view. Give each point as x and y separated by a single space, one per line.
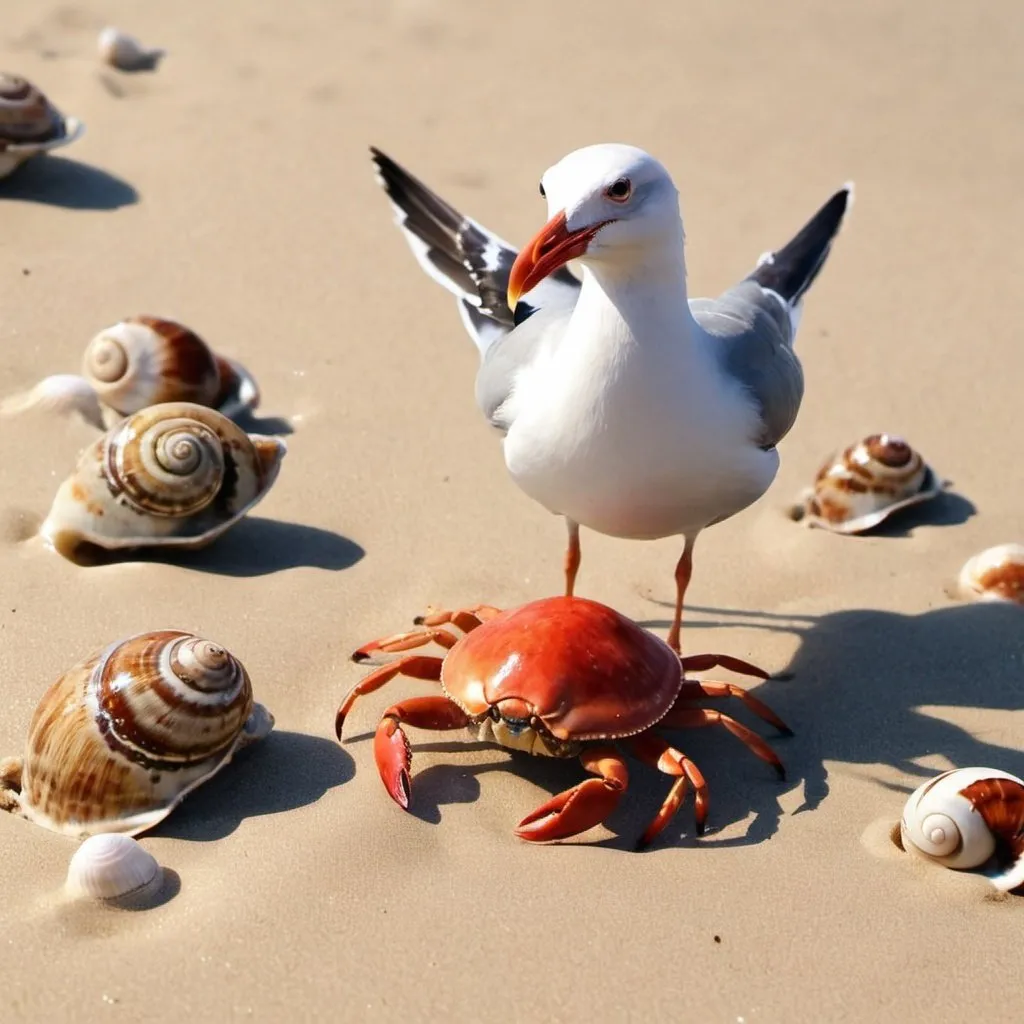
231 190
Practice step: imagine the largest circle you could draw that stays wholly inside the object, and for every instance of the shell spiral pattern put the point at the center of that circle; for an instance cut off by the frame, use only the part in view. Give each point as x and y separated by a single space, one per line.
147 360
165 465
120 739
867 482
175 474
965 818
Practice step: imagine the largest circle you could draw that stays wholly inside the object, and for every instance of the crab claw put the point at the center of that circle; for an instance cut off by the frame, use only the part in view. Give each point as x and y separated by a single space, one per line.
394 759
583 806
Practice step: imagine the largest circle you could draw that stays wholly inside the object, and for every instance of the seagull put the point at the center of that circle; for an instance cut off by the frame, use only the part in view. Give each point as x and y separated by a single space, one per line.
624 406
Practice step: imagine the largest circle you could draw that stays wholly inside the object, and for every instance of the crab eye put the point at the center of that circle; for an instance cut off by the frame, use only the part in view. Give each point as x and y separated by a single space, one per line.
619 190
544 194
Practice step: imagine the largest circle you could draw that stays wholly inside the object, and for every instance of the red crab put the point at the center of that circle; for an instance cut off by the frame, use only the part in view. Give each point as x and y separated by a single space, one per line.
561 677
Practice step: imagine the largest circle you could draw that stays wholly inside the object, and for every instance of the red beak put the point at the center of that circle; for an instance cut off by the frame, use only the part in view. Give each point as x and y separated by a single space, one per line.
552 247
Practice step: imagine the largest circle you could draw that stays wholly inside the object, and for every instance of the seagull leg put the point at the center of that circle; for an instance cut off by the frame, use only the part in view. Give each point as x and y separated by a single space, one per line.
572 557
683 570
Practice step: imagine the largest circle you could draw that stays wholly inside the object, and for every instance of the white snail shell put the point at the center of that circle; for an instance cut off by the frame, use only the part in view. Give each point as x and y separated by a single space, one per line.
124 52
964 817
109 865
138 362
995 574
121 738
172 475
29 123
867 482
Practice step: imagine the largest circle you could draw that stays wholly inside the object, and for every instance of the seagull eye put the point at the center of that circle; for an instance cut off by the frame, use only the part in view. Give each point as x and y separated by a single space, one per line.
543 194
619 190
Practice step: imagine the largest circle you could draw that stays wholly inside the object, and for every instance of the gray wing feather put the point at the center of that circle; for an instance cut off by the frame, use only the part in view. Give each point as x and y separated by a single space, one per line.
507 355
753 335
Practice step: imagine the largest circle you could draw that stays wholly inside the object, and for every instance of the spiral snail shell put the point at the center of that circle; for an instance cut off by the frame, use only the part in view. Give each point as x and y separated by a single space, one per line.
172 475
29 123
867 482
995 574
119 740
965 818
142 361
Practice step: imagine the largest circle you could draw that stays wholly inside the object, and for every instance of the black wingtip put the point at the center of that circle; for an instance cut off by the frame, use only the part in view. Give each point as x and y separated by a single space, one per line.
791 270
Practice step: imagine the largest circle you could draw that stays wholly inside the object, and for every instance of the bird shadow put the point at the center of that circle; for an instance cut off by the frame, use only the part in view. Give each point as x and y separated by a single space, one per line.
252 547
60 181
853 695
282 772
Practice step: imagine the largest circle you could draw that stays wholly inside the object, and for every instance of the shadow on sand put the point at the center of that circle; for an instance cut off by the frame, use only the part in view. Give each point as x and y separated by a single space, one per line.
60 181
252 547
280 773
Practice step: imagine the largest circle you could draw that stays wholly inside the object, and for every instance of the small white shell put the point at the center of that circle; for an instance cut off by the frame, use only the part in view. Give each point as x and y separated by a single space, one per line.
995 574
866 483
964 817
109 865
124 52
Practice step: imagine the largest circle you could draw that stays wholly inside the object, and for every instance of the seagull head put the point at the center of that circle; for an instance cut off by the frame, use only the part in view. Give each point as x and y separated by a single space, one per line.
605 202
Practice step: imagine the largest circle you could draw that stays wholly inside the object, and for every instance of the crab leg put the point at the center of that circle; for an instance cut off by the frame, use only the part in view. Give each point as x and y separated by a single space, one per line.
695 718
655 751
466 619
391 747
405 642
418 666
583 806
695 689
703 662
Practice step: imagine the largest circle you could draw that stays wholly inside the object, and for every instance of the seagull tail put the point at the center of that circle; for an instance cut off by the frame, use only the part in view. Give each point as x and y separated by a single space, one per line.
788 272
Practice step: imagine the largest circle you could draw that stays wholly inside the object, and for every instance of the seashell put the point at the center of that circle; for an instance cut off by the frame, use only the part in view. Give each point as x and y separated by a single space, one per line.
965 818
138 362
124 52
109 865
867 482
120 739
173 475
996 574
29 123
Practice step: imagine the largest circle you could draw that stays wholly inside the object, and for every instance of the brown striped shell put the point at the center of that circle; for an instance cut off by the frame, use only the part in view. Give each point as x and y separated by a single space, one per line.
867 482
995 574
146 360
121 738
172 475
138 362
29 123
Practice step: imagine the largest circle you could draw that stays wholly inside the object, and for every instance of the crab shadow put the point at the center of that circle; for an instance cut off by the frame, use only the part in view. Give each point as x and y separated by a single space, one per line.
253 547
285 771
853 694
61 181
